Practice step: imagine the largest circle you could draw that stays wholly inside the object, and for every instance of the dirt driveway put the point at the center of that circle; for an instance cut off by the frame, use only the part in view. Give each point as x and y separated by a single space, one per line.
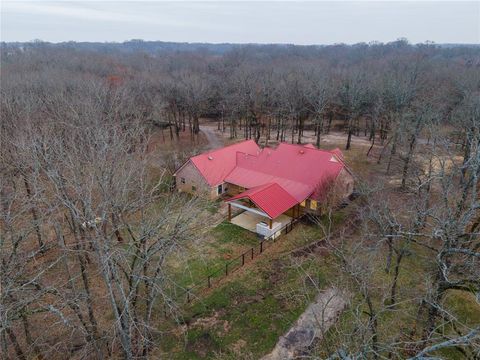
214 141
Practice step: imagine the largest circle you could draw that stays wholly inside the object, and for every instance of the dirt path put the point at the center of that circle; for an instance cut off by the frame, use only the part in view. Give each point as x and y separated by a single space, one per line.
214 141
310 326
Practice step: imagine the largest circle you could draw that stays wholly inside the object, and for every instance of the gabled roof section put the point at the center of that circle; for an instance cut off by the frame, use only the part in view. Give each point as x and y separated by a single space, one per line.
273 199
217 164
338 153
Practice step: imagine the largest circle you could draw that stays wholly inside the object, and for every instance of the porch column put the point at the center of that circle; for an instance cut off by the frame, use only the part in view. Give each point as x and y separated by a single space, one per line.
229 212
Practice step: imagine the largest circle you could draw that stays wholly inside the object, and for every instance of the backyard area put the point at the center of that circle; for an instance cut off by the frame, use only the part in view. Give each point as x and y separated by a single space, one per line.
243 314
209 254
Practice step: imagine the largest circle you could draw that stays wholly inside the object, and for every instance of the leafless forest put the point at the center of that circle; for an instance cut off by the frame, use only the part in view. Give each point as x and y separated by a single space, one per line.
89 220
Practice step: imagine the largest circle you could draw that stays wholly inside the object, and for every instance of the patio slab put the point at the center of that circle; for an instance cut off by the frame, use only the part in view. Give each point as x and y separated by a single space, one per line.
249 221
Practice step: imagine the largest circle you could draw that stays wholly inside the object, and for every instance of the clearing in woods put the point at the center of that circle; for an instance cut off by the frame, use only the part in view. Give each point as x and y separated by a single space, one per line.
246 313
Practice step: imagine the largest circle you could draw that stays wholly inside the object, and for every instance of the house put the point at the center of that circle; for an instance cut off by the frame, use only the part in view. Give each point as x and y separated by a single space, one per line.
269 183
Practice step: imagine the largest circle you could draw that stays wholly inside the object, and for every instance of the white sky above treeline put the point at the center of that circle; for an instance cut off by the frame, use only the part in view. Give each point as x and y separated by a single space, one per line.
324 22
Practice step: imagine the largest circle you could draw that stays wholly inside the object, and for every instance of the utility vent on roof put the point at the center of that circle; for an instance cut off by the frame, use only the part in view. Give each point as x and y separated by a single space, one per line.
210 158
302 151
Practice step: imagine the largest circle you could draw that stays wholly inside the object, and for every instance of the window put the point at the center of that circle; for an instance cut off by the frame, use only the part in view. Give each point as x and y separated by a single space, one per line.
194 188
219 189
182 180
313 204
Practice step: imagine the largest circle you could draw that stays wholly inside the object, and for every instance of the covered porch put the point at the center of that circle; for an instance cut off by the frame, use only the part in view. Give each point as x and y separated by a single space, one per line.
263 209
249 220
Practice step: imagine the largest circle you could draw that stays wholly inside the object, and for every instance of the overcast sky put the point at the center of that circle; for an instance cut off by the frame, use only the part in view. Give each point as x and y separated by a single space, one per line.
309 22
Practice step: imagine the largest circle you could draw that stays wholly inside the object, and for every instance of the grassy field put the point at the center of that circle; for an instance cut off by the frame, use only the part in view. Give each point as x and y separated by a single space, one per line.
201 258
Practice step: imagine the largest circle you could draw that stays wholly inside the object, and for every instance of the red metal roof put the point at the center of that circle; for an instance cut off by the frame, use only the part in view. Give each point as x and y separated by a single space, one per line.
301 171
248 178
271 198
217 164
277 178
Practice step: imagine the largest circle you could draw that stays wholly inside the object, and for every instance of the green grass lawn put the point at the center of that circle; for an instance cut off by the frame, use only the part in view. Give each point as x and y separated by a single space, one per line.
224 242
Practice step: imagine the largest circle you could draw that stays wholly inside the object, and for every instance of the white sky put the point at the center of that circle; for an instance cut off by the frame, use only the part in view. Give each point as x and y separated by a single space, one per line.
325 22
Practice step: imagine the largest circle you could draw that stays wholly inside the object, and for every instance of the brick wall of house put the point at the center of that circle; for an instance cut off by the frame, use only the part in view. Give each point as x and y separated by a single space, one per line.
195 183
345 183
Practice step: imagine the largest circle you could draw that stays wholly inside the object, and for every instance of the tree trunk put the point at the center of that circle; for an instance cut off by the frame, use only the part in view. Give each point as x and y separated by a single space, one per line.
388 263
411 150
33 210
393 151
373 325
13 339
330 119
318 130
350 132
393 291
28 337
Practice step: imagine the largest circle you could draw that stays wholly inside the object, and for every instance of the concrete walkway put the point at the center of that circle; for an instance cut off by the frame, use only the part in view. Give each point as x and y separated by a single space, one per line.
311 326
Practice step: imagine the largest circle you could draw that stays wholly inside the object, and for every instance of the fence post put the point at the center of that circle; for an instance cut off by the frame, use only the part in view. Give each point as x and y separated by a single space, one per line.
226 269
252 253
261 247
209 282
188 295
243 259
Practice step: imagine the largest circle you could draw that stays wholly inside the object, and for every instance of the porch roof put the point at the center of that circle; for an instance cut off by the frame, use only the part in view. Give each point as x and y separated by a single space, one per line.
271 198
